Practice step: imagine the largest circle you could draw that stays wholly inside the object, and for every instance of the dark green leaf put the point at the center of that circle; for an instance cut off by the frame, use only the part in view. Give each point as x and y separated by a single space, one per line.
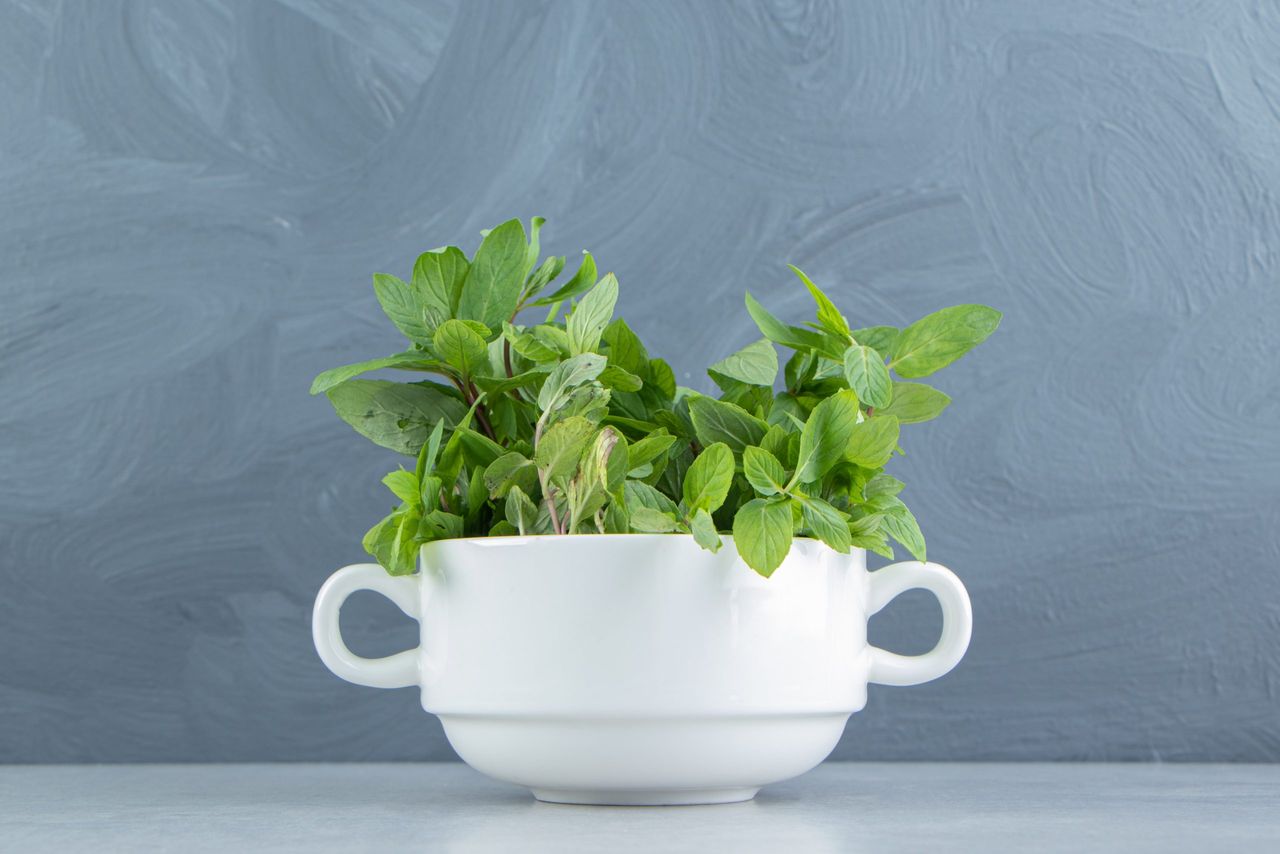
496 277
620 379
779 333
410 360
625 349
398 416
717 421
582 280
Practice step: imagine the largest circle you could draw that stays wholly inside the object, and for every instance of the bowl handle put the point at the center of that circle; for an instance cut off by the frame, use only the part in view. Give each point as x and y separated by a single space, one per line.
888 668
393 671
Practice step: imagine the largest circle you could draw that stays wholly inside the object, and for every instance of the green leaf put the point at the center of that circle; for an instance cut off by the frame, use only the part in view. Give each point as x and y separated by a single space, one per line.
829 317
407 308
765 474
582 280
662 379
561 447
868 377
640 494
938 339
878 338
411 360
404 485
462 347
427 456
620 379
498 385
762 533
616 519
543 276
646 520
707 482
703 528
496 276
520 510
882 484
903 527
590 316
394 542
755 364
873 542
512 469
398 416
825 522
534 248
649 448
626 350
717 421
780 333
825 435
567 376
915 402
872 442
438 276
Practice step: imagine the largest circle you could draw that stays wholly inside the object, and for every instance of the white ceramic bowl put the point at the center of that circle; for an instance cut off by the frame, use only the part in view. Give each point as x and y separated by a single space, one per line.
640 669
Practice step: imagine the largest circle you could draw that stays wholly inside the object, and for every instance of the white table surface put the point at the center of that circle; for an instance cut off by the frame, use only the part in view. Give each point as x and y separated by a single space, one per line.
845 807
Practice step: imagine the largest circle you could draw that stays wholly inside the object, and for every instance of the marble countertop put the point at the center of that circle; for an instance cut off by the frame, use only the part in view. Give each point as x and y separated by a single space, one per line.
845 807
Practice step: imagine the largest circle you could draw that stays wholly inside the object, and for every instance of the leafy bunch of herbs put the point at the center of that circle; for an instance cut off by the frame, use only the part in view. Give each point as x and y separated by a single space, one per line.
569 426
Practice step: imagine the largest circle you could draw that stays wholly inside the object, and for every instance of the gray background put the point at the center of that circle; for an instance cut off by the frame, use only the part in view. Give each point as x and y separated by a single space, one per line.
193 196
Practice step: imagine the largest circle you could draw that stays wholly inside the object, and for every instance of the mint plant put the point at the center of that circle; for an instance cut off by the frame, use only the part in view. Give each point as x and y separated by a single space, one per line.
569 426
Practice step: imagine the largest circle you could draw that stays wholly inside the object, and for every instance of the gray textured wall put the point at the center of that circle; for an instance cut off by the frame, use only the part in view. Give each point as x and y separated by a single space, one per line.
193 196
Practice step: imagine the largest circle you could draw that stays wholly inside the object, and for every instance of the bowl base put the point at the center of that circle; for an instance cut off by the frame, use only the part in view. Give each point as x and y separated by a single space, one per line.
643 797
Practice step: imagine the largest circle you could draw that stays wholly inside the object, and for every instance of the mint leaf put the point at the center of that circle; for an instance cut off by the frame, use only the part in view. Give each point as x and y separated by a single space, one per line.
639 494
938 339
915 402
438 277
865 371
762 533
407 309
511 470
591 316
496 276
829 317
825 522
404 485
703 528
780 333
649 521
825 435
413 360
878 338
520 511
620 379
717 421
567 376
872 442
625 349
462 347
901 524
649 448
561 447
755 364
582 280
707 482
398 416
765 474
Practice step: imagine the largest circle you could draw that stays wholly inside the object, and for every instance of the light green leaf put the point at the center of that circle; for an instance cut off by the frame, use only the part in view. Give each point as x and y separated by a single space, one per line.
590 316
649 448
780 333
872 442
707 482
512 469
646 520
717 421
938 339
404 485
407 309
703 528
394 542
543 276
398 416
873 542
878 338
462 347
567 376
439 275
763 471
411 360
825 435
901 524
616 519
882 484
868 377
496 276
825 522
520 510
762 533
427 456
755 364
582 280
640 494
561 447
829 317
620 379
534 249
915 402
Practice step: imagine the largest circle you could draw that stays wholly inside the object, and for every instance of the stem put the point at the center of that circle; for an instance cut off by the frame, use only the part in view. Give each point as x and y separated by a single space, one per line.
506 357
549 496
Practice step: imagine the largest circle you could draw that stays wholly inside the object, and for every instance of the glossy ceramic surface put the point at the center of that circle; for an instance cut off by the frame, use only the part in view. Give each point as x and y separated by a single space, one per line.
640 669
